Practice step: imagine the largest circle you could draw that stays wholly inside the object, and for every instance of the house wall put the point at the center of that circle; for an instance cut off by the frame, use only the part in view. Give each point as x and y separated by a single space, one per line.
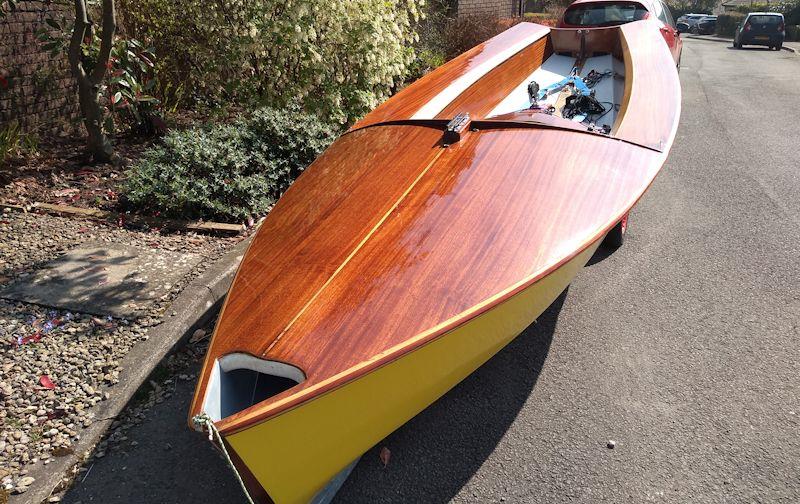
36 89
497 8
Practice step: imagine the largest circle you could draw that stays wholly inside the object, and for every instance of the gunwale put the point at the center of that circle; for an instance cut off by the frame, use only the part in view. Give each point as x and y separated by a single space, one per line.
292 399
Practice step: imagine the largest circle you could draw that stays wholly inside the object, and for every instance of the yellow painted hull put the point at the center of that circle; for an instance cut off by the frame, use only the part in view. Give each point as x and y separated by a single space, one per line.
295 454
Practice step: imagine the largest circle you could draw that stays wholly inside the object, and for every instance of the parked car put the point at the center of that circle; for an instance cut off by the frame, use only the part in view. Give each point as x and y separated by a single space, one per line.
705 26
690 20
596 13
761 28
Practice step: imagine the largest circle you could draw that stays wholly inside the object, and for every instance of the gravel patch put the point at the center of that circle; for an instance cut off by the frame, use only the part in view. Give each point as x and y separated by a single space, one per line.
55 365
176 368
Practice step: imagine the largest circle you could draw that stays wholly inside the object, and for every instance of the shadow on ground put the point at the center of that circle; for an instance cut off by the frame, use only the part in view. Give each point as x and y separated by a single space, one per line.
169 464
749 48
432 456
602 253
438 451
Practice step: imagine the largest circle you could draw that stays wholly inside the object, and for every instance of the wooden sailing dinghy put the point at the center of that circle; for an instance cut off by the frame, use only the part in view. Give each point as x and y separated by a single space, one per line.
417 245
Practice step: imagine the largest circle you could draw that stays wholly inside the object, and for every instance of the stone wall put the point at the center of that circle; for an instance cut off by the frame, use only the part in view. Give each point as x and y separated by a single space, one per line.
497 8
36 89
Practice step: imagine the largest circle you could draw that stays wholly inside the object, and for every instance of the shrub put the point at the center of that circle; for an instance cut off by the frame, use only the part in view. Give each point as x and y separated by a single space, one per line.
125 94
441 36
792 13
429 51
542 18
789 9
229 171
340 57
792 32
727 23
465 32
14 142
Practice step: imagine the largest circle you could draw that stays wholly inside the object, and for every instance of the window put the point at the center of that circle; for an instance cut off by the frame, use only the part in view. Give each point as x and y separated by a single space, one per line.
668 19
765 19
661 12
604 14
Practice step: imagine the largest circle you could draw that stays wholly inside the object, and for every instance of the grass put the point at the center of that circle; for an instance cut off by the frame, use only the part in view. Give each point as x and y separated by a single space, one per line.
14 142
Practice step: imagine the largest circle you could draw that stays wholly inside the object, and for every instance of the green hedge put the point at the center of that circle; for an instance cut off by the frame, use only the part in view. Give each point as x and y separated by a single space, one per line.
340 57
793 32
727 23
229 171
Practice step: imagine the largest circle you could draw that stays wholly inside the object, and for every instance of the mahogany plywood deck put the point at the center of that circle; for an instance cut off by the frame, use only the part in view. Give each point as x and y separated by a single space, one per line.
391 239
483 96
484 218
650 111
317 224
405 103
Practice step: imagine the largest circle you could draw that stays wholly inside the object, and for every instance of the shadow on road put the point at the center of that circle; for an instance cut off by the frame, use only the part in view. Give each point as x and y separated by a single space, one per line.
163 461
433 455
603 252
749 48
438 451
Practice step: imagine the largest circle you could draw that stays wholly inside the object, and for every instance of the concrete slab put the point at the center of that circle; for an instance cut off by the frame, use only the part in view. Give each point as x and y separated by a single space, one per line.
195 307
103 279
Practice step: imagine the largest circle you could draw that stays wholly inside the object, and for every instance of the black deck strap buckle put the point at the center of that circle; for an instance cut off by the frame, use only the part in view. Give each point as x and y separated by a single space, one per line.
454 129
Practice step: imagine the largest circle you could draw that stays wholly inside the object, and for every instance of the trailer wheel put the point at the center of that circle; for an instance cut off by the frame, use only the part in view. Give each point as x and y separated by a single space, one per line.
616 237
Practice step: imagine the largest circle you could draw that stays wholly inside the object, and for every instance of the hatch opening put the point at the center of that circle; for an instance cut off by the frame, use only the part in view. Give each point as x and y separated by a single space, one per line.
239 381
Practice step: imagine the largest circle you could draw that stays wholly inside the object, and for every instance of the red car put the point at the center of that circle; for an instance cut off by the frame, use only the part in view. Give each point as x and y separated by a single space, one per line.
597 13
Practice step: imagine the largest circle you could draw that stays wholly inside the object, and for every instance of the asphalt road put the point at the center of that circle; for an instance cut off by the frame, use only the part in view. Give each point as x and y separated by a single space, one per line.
683 346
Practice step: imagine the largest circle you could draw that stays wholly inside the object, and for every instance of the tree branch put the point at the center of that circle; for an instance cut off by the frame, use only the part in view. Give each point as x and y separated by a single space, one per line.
78 32
106 41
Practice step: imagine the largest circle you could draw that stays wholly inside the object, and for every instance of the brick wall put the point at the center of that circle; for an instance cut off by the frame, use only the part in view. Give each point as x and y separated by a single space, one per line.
36 89
497 8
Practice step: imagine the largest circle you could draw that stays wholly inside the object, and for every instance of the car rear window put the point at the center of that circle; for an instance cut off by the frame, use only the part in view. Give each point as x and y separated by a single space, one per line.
604 14
765 19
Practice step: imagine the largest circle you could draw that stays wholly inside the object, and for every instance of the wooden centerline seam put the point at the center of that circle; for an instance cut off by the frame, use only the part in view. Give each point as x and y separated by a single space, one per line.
355 250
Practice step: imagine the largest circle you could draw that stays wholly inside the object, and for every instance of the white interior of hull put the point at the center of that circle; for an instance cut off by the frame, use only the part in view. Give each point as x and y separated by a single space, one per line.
609 91
239 381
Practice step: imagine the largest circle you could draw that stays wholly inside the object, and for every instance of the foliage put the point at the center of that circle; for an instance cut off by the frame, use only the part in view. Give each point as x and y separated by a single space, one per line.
551 6
340 57
425 60
226 171
785 8
430 49
128 91
542 18
791 12
443 37
792 32
7 6
465 32
681 7
727 23
13 142
126 94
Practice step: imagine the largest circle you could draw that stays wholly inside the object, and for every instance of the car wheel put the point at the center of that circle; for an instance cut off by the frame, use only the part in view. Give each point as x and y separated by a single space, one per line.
695 30
616 237
779 47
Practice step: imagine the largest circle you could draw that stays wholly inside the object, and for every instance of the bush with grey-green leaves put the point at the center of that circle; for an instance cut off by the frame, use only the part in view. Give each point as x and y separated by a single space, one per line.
228 172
